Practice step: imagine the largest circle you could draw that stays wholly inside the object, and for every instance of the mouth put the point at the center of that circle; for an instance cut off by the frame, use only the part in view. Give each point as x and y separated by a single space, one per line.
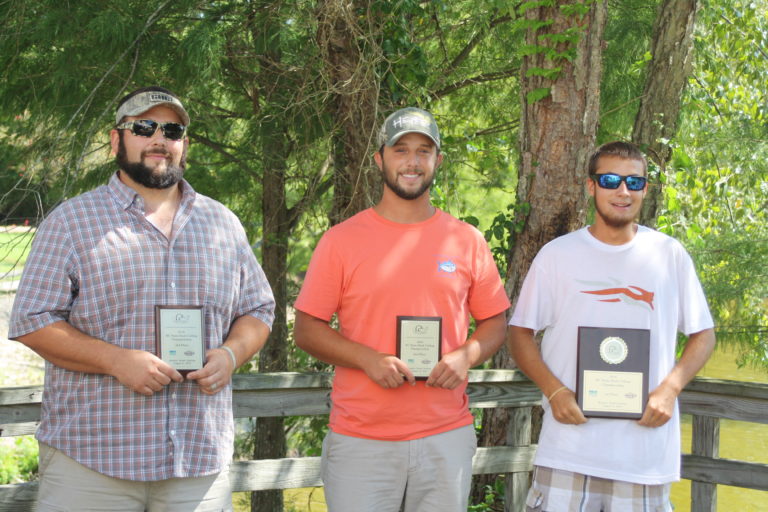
157 156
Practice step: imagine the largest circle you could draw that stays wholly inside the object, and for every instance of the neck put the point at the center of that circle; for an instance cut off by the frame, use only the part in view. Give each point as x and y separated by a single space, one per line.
404 211
613 235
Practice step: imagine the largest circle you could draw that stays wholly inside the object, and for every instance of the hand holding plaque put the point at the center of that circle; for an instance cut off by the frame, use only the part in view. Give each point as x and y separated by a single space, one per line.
419 343
612 372
179 336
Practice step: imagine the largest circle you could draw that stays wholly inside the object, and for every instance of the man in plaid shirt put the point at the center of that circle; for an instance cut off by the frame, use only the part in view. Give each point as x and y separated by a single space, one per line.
122 428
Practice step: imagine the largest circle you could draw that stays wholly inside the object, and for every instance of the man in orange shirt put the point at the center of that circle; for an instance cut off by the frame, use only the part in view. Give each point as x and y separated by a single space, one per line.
400 428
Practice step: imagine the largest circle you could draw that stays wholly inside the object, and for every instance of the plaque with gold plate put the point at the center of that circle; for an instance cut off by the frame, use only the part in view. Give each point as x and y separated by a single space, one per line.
419 343
179 336
612 371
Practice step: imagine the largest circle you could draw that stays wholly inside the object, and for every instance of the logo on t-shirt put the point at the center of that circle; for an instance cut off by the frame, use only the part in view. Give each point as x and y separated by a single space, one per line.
447 266
626 294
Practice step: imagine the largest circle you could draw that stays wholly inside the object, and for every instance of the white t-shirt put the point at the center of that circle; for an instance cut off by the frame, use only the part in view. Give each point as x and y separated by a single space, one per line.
648 283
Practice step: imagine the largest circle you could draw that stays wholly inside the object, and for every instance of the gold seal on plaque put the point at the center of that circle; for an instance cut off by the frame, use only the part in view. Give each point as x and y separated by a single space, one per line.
613 350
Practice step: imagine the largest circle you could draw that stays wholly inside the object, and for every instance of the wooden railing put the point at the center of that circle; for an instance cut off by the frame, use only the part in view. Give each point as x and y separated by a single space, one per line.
295 394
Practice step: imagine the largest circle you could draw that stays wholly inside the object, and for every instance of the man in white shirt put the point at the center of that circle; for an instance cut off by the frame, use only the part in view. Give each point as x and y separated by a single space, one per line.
614 274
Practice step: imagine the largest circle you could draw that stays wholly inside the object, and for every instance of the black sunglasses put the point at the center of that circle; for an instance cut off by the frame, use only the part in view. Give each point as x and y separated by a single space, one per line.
613 181
147 128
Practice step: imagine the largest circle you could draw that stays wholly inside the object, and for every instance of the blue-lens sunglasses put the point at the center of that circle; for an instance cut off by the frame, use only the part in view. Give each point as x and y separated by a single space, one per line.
613 181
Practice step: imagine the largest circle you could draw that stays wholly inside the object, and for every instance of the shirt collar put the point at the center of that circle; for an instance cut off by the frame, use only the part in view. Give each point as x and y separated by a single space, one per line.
127 197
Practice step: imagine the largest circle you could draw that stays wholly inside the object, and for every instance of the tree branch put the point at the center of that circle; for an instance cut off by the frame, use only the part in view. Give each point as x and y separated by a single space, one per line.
205 141
479 36
485 77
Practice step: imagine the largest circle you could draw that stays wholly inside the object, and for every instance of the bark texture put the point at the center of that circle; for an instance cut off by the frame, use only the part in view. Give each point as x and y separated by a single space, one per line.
350 58
668 73
557 136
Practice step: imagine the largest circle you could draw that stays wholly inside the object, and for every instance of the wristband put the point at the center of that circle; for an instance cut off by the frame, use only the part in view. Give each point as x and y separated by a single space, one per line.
232 355
549 399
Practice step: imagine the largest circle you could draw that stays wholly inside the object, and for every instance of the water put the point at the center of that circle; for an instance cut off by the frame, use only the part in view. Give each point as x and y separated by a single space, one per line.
739 440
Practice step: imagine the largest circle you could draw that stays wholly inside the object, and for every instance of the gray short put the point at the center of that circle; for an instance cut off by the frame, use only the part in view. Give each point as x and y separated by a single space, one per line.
433 473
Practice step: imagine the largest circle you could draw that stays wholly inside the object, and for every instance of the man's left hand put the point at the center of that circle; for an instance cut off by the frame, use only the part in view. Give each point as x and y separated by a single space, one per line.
661 405
216 374
451 371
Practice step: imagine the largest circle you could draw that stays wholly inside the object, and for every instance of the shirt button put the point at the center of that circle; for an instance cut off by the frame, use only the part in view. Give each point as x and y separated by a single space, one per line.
173 285
173 432
173 395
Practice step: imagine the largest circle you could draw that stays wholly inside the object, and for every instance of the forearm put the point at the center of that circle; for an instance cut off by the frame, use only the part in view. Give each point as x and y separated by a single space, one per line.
661 401
68 347
525 351
246 337
561 399
319 340
485 340
696 353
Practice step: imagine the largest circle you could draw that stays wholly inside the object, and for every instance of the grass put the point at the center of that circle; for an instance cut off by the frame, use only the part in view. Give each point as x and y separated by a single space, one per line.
14 247
309 499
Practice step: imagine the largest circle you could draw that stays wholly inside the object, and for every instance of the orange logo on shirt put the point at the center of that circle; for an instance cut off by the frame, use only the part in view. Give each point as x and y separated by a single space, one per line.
640 294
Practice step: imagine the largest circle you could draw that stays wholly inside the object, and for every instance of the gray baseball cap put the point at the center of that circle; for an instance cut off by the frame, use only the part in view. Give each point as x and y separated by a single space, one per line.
408 120
144 101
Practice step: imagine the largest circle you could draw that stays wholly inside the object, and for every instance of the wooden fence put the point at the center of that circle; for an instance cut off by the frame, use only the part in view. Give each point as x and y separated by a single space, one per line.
299 394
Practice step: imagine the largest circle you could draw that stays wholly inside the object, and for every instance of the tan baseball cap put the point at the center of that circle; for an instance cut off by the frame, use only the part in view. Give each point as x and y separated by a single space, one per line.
144 101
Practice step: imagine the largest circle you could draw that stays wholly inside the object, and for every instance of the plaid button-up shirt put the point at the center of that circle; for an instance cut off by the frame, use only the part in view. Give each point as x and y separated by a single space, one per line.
99 264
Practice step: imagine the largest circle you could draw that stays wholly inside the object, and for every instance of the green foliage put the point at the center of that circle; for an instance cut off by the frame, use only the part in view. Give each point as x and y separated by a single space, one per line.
18 459
537 94
494 496
502 233
716 185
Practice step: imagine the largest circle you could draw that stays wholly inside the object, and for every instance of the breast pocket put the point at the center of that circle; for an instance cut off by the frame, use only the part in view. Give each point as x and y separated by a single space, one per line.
219 279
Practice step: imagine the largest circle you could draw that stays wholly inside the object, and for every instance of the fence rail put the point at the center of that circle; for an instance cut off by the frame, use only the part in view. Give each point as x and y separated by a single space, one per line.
301 394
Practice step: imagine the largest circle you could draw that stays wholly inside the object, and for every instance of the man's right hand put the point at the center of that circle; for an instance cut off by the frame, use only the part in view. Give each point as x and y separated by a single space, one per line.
143 372
388 371
565 409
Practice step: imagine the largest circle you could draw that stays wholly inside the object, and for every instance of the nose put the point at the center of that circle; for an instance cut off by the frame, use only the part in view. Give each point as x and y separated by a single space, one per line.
623 190
158 137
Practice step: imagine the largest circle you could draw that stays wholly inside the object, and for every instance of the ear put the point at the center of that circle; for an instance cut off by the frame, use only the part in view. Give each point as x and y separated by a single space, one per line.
378 160
439 160
114 141
591 187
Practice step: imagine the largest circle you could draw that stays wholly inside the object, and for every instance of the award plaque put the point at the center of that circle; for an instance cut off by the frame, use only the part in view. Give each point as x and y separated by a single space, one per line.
179 336
419 341
612 372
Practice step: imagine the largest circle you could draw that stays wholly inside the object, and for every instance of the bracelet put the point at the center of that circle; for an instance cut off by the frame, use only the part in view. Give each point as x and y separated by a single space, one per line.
549 399
232 355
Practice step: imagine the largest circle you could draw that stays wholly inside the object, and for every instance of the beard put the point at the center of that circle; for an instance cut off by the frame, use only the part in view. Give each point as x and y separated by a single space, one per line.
391 184
146 176
614 221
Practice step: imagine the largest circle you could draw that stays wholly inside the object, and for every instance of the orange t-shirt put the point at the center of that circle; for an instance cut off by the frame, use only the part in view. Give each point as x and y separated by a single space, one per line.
370 270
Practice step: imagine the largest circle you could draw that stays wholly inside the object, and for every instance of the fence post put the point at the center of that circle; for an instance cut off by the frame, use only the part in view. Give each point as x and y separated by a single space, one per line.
706 442
518 434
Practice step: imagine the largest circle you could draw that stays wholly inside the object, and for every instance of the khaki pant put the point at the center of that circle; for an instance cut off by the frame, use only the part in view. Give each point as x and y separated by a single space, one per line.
68 486
431 474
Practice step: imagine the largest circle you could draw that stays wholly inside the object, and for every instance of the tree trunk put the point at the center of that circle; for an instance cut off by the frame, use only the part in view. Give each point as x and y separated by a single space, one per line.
350 58
557 136
269 433
668 72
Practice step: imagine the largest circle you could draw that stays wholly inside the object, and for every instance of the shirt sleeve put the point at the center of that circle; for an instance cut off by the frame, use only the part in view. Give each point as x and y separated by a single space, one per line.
320 293
534 306
487 296
49 283
256 297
